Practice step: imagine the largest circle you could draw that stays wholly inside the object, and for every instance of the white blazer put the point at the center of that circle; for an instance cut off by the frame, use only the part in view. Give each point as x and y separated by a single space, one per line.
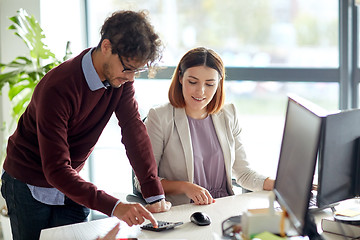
169 132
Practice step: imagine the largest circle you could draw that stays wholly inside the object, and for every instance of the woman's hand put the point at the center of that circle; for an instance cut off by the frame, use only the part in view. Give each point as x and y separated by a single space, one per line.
198 194
269 184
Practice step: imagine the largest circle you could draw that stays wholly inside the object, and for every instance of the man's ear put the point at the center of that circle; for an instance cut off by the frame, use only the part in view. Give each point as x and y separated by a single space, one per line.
106 46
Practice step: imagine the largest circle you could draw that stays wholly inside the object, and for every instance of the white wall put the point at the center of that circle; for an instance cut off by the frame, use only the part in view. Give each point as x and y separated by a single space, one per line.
60 24
11 46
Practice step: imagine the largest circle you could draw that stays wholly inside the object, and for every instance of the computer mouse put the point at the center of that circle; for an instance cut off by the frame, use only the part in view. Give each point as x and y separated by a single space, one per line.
200 218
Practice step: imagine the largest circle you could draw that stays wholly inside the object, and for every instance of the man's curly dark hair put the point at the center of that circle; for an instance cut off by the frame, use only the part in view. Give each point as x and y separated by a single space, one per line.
132 36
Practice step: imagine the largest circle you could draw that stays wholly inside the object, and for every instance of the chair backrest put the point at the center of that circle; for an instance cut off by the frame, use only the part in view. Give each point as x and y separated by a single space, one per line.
243 190
136 196
135 191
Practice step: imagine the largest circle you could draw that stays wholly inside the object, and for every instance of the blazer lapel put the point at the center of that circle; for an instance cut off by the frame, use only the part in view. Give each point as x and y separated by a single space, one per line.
221 132
183 129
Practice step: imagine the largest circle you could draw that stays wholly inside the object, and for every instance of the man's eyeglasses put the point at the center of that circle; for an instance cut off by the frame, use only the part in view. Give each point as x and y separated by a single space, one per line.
129 70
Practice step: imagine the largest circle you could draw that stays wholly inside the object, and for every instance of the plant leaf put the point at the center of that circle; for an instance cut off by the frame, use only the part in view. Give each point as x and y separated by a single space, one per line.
9 77
18 88
28 29
23 73
20 106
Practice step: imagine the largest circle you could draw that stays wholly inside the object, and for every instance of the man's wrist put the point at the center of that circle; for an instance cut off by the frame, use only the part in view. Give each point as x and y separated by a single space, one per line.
154 199
158 200
117 203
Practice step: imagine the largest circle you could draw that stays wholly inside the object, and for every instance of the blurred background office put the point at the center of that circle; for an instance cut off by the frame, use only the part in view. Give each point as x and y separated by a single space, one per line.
270 48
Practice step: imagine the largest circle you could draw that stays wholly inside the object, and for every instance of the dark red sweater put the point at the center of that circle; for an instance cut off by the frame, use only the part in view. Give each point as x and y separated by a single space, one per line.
60 128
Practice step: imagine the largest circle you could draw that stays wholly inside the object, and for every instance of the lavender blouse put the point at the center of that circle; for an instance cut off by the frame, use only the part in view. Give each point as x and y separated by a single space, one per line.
209 166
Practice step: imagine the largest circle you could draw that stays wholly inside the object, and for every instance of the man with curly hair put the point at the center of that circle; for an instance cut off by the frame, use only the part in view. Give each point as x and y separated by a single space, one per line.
69 109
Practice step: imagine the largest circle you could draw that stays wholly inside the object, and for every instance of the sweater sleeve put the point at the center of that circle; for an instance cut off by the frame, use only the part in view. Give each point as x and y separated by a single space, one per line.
153 125
137 143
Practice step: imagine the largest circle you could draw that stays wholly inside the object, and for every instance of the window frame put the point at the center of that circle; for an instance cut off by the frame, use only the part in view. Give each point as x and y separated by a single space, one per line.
347 74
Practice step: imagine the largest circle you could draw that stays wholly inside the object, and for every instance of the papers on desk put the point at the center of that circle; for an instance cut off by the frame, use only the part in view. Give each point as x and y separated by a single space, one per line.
89 230
348 213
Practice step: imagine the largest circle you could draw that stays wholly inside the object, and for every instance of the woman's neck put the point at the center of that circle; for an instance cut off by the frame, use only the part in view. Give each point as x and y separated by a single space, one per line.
196 114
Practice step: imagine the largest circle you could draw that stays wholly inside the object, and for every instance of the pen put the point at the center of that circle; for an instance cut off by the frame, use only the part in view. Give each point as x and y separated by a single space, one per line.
126 239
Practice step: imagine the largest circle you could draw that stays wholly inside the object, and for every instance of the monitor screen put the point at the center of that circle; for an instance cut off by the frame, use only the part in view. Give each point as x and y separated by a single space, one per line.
297 159
338 157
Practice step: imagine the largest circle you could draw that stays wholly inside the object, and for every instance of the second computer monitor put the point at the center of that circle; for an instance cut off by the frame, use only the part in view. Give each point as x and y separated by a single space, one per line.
339 158
299 148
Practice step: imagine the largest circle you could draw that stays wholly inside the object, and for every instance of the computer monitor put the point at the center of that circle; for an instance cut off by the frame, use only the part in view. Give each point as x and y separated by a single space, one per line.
296 167
338 158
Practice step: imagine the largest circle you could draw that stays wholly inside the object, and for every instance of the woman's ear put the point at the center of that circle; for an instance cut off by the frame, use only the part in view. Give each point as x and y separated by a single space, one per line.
180 79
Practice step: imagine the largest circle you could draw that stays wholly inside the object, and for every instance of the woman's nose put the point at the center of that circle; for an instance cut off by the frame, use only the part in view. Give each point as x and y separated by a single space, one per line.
201 89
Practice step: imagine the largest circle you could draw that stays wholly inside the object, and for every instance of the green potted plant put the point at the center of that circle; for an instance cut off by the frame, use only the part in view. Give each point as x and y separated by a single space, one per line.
23 73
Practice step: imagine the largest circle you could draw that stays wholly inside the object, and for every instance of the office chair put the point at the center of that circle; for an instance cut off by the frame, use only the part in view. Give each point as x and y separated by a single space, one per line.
243 190
136 196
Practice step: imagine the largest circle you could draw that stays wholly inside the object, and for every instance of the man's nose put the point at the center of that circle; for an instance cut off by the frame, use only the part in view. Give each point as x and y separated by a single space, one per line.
130 77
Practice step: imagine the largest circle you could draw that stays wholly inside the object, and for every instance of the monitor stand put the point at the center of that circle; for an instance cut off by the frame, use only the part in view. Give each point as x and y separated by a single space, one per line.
313 206
311 229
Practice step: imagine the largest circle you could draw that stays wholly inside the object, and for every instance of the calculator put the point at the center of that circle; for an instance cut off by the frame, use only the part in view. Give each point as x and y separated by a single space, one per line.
162 226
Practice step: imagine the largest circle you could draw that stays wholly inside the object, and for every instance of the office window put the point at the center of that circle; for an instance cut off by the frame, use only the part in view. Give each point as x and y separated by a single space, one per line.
260 33
261 110
63 25
358 87
358 33
247 33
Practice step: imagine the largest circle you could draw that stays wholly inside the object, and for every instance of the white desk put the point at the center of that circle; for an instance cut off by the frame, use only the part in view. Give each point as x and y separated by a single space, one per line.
219 211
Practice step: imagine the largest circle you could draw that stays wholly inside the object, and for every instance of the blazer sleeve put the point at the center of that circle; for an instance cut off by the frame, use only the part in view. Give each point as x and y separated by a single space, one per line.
154 127
243 174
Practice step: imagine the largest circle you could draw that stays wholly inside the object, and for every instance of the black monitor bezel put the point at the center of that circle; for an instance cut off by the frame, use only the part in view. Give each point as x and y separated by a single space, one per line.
340 127
300 225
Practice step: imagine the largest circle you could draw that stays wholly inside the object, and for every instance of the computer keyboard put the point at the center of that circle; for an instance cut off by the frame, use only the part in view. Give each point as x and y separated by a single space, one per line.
312 202
162 226
313 207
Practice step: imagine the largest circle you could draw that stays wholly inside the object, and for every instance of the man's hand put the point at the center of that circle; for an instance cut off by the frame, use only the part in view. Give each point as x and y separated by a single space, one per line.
162 206
133 214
